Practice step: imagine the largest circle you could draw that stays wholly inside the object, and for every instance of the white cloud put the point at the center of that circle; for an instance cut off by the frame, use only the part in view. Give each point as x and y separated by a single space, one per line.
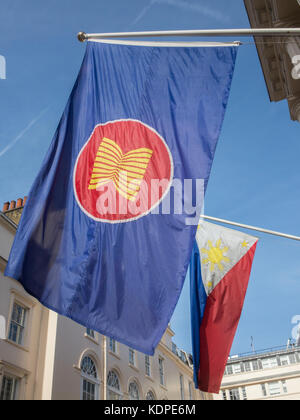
187 6
143 12
24 131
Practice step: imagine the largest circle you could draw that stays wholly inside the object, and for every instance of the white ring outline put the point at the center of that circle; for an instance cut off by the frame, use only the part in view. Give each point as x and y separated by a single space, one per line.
151 208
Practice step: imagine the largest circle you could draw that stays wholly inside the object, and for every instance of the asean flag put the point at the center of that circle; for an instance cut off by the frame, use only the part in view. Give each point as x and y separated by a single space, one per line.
99 240
219 273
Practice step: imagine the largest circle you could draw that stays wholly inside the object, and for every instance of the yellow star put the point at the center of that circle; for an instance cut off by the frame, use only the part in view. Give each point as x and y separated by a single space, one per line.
215 255
245 244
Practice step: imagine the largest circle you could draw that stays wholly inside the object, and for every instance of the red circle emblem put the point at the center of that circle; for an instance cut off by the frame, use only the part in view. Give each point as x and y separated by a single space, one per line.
122 172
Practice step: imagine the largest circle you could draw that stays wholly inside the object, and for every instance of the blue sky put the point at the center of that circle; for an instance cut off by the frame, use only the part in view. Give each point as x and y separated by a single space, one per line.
255 177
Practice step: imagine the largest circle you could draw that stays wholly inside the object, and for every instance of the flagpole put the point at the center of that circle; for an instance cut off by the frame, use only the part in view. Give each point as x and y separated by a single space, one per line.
281 32
258 229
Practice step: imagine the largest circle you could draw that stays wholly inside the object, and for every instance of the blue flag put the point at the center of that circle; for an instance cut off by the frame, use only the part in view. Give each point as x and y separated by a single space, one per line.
106 234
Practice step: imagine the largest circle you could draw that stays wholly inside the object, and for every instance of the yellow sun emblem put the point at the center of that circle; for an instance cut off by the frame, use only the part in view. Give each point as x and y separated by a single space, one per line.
215 255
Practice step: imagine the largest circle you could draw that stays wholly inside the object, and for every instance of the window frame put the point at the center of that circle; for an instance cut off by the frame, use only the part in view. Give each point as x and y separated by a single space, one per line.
255 365
292 358
234 392
271 391
147 365
153 394
269 362
236 367
92 380
244 393
161 370
134 382
90 333
28 304
16 386
229 370
17 327
181 382
116 391
247 366
131 360
264 389
224 395
112 345
284 360
7 369
284 386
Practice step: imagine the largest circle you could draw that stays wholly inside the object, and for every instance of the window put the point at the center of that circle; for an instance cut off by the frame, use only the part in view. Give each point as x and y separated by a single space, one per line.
113 386
17 324
9 388
256 364
292 358
90 333
247 366
181 387
132 357
236 368
229 370
89 391
133 391
224 396
234 394
269 363
112 345
274 388
263 389
284 387
284 360
183 356
244 393
89 379
191 390
88 367
174 349
161 371
147 365
150 395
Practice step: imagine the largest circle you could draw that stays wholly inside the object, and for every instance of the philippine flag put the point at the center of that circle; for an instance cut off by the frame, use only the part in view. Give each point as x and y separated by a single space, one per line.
219 274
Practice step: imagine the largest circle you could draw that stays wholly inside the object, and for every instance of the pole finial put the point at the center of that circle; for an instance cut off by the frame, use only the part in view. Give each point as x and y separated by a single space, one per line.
81 36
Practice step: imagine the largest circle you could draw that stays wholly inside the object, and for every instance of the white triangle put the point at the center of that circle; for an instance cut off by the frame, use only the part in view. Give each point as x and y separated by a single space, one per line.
220 249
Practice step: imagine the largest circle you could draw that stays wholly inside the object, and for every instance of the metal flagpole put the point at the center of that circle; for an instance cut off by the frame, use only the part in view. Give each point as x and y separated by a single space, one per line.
281 32
271 232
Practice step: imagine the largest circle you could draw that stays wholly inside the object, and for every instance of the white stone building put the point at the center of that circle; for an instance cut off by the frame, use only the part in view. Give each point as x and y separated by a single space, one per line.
44 356
273 374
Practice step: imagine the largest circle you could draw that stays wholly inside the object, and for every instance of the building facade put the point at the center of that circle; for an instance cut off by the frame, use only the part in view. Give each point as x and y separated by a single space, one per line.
45 356
273 374
279 57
